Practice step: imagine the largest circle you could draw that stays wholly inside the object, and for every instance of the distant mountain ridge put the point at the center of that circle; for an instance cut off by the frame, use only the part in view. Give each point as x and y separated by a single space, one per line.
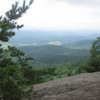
42 45
83 44
44 37
51 54
51 50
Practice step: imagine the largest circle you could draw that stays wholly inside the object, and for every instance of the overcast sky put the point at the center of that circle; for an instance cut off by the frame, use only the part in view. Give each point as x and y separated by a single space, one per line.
59 14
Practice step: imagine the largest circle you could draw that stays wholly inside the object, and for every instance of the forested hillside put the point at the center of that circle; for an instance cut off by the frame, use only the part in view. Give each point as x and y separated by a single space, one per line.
51 54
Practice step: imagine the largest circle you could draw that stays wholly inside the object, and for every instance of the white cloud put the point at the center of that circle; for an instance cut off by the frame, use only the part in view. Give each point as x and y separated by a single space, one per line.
88 2
57 15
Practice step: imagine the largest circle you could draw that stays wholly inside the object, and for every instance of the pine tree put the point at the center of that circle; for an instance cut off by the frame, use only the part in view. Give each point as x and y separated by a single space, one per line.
95 56
12 60
8 23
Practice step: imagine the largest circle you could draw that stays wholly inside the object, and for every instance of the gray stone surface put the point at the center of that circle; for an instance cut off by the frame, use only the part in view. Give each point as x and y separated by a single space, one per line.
79 87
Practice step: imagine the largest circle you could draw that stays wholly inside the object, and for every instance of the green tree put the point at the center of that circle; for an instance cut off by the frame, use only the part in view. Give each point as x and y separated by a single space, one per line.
8 22
12 61
95 56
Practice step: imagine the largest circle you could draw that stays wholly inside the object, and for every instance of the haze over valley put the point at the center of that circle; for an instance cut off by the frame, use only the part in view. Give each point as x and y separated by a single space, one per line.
72 39
55 47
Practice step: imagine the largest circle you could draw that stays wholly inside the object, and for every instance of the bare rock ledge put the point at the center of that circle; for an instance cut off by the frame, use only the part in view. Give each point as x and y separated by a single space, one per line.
79 87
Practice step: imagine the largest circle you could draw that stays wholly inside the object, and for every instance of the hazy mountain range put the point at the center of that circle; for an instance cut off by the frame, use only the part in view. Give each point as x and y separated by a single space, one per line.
52 47
71 39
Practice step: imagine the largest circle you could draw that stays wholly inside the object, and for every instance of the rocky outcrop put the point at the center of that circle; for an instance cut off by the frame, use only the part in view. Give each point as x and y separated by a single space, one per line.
79 87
